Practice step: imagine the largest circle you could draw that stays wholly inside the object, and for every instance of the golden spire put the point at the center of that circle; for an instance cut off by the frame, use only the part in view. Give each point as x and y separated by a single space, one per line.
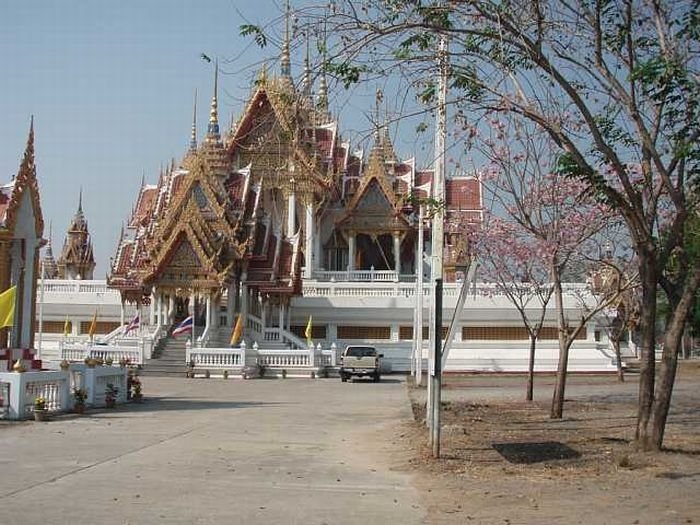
285 61
193 135
213 130
322 100
306 80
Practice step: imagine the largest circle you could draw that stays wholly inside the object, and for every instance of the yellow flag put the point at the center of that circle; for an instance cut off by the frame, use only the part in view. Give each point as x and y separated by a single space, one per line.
66 327
93 325
7 307
308 331
237 331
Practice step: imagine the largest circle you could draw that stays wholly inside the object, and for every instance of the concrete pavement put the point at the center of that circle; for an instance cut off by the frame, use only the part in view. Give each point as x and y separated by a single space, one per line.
293 451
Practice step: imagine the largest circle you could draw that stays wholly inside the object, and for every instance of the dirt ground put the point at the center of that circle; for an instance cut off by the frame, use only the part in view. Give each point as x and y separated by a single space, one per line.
505 462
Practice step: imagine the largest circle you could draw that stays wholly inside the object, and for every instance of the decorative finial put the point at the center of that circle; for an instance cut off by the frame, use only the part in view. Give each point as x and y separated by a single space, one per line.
306 80
322 101
285 62
80 200
379 96
193 135
213 130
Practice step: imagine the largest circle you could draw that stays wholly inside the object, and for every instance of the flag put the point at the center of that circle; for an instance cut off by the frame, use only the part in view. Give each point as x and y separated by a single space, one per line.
133 325
7 307
93 326
308 331
66 327
184 327
237 330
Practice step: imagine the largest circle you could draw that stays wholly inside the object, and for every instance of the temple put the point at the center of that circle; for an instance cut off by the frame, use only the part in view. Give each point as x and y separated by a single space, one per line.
281 198
77 260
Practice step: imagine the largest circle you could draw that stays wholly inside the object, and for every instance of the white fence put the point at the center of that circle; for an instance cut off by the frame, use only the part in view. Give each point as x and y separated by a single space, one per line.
56 387
275 361
217 358
133 354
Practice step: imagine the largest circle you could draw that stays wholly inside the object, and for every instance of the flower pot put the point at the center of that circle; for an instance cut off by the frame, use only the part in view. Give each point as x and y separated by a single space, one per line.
110 403
41 415
137 398
79 408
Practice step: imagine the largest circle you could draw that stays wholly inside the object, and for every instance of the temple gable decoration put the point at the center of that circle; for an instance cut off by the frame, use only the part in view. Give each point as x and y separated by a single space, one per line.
21 230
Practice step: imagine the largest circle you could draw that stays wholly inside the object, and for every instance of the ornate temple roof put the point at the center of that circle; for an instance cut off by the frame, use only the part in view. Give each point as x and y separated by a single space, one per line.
219 215
77 260
12 192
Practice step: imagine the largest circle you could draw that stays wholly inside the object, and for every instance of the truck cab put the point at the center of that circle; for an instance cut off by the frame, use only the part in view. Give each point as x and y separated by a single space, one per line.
360 360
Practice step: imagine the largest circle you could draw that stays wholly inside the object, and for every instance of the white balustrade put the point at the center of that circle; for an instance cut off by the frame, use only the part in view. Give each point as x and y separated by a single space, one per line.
116 354
54 386
285 358
219 358
73 352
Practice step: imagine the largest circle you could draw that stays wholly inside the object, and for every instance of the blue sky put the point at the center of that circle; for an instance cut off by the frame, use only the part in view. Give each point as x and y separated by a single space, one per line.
110 85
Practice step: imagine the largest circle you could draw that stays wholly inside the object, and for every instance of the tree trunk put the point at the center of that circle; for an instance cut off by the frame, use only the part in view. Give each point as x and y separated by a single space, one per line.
531 369
618 357
560 386
647 321
669 363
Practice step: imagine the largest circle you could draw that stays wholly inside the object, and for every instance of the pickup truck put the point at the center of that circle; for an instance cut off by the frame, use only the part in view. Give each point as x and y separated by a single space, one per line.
360 361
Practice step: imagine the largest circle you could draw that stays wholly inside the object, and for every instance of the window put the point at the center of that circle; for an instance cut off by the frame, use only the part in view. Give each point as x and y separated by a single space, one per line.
364 332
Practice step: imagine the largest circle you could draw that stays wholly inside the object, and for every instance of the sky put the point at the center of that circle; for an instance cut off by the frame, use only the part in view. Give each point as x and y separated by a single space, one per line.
111 88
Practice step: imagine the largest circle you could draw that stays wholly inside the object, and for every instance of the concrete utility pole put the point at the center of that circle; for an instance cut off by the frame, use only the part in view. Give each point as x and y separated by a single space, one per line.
437 368
418 355
438 233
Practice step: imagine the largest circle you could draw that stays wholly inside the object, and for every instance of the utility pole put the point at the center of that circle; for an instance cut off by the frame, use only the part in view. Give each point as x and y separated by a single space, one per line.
438 232
437 368
418 356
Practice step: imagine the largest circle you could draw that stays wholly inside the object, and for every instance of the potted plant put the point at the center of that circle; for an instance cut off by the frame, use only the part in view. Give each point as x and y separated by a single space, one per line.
79 397
136 394
111 395
41 410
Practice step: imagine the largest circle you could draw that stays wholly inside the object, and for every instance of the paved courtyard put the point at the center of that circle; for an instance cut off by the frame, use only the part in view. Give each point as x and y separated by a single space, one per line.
214 451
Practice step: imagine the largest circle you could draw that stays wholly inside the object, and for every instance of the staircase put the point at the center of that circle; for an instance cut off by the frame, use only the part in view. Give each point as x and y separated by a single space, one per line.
168 360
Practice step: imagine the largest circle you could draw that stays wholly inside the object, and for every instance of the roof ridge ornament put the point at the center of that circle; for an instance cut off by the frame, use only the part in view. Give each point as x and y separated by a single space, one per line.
285 60
213 129
193 134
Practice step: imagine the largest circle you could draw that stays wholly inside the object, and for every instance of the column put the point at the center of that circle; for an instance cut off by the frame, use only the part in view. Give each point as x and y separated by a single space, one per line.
309 242
244 300
291 212
152 309
230 305
171 307
121 312
207 317
280 311
351 251
397 253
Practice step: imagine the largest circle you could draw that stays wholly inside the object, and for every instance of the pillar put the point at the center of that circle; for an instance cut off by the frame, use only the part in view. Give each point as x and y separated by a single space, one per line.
152 309
351 251
291 214
171 308
207 317
280 311
397 253
230 304
121 312
309 243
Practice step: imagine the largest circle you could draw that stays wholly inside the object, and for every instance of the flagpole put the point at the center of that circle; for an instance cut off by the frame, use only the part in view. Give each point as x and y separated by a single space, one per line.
41 310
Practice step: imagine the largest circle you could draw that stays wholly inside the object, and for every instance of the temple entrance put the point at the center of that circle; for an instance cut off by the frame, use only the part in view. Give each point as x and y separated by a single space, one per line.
374 252
182 305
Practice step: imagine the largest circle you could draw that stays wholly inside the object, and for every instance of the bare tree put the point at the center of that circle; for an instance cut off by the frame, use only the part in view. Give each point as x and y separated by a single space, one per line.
614 84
